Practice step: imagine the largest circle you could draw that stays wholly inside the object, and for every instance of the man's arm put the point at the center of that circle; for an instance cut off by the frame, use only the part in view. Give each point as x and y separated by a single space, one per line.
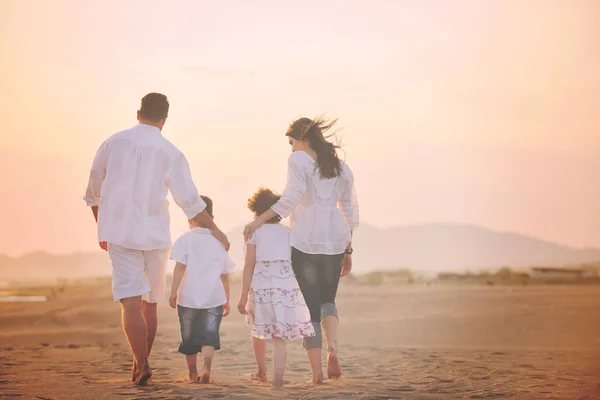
187 198
97 175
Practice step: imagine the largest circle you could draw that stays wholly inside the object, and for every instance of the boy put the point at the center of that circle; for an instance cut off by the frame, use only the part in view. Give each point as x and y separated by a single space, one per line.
200 291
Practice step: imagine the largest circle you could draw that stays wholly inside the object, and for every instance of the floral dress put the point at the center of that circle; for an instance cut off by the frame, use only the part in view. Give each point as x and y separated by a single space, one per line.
276 307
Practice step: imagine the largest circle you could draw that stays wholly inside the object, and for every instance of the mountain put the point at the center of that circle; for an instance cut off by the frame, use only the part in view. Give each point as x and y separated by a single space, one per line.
444 247
431 248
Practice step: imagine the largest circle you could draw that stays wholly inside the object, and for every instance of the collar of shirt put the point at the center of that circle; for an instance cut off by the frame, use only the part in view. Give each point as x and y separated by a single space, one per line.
149 128
201 230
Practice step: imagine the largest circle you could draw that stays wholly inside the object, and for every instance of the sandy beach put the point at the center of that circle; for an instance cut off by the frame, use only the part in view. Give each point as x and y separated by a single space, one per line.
397 342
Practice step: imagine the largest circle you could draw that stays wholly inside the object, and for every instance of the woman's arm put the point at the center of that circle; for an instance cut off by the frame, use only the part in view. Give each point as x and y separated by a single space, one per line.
177 278
295 190
348 202
247 276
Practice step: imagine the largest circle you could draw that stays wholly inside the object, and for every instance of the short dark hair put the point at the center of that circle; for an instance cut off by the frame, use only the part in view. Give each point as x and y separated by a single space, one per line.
155 107
209 205
261 201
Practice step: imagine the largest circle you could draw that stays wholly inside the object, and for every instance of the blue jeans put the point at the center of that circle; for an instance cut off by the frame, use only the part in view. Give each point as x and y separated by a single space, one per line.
318 276
199 327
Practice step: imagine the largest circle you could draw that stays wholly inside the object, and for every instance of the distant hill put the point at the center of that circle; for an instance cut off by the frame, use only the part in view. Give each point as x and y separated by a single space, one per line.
428 248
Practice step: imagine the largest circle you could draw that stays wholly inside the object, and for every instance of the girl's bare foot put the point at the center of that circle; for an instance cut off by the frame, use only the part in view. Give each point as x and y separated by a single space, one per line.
318 380
193 374
259 375
278 378
333 366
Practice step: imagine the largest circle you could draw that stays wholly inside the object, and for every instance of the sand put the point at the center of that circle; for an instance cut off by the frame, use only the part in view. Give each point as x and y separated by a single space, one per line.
396 342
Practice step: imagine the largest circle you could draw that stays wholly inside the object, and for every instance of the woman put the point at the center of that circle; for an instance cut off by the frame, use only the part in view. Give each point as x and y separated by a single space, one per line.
320 199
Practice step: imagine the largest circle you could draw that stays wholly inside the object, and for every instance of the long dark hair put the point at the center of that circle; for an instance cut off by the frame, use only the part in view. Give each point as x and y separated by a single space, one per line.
313 130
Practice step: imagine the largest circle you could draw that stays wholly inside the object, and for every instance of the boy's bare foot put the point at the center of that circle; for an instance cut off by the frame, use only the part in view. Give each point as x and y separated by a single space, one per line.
259 375
193 374
143 375
333 366
205 378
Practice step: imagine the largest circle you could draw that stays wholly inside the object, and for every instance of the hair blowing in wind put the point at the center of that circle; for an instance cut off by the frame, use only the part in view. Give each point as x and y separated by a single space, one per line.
314 131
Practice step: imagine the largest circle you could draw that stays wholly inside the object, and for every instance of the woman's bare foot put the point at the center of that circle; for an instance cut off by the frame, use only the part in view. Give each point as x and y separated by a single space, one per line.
143 375
333 366
193 374
259 375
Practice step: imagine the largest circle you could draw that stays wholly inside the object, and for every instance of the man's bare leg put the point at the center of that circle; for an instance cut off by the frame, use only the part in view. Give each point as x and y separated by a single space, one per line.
279 360
150 313
259 346
192 360
330 328
134 326
208 352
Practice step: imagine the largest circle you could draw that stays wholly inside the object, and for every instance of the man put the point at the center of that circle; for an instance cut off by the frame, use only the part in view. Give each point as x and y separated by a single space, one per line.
130 178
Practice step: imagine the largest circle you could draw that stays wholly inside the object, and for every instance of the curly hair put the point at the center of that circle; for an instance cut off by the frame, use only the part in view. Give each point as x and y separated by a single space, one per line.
261 201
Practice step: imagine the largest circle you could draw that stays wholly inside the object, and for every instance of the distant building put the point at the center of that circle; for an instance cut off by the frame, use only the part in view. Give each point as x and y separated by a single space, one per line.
563 273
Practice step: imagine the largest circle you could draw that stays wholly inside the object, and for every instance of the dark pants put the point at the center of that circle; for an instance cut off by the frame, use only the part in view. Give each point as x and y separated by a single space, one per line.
199 328
318 276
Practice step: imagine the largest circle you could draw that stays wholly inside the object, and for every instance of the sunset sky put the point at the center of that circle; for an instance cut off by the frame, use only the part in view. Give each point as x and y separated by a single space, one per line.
464 111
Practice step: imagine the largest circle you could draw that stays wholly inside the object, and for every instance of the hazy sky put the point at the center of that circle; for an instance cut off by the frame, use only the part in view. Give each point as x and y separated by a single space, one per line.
479 112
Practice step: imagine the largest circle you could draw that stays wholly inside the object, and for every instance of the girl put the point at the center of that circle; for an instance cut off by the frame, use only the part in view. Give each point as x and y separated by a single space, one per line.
275 307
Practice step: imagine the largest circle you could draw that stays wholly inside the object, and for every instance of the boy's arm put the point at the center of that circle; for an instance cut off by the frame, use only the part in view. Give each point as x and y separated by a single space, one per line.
247 276
225 280
177 278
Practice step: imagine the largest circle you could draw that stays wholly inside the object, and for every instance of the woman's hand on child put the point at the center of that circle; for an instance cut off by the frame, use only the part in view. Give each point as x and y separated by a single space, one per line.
226 309
173 300
250 228
242 305
346 265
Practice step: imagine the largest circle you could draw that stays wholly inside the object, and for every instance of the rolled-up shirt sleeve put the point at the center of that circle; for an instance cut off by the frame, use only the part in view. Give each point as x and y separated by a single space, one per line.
348 203
97 175
183 189
294 191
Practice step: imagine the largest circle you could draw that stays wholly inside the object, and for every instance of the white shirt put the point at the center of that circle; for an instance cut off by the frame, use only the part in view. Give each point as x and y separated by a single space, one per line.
323 212
272 243
130 178
205 260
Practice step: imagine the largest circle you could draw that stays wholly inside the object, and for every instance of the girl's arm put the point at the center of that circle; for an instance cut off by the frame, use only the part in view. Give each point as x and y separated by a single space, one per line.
247 276
178 274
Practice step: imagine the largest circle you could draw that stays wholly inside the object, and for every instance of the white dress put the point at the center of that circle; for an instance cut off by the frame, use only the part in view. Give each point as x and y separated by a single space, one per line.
323 212
275 305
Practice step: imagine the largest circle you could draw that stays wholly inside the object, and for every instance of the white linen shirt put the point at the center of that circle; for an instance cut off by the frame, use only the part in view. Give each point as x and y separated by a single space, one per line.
129 181
205 260
323 212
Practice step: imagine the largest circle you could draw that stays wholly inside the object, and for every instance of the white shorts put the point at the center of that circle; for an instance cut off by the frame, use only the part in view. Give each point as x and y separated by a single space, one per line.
138 273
